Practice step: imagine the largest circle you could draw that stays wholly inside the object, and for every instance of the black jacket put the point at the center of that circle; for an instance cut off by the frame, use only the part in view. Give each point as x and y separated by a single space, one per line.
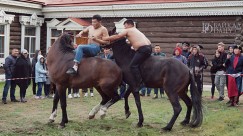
22 70
217 65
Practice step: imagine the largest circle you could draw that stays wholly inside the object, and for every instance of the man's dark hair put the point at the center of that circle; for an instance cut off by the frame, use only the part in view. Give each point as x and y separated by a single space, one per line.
97 17
156 45
129 21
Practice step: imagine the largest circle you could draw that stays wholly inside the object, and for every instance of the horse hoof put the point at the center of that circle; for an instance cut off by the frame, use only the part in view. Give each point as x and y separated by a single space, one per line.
139 125
166 129
128 114
91 116
51 120
184 122
61 126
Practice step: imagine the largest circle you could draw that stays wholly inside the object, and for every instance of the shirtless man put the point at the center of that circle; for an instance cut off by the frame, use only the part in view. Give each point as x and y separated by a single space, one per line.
141 45
95 33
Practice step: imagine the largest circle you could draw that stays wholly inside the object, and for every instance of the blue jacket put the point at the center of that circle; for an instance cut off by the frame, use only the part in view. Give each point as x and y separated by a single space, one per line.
40 72
229 65
181 58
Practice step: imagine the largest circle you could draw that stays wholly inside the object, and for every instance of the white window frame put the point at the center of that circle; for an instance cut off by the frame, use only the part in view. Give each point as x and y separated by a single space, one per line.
31 21
31 37
50 25
3 35
6 20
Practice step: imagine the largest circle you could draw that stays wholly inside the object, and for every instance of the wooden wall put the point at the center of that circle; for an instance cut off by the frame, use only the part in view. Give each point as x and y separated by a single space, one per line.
15 33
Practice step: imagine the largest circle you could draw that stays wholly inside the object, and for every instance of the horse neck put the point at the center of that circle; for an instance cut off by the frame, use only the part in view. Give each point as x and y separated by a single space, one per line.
121 55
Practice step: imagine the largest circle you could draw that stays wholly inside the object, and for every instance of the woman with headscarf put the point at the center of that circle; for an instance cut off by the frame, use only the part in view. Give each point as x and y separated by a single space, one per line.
23 71
179 56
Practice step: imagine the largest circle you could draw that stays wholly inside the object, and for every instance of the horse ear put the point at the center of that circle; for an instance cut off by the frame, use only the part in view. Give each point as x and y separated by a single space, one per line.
113 31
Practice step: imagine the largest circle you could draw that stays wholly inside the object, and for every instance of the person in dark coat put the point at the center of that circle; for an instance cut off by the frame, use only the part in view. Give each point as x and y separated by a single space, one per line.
196 63
9 70
23 70
34 61
216 68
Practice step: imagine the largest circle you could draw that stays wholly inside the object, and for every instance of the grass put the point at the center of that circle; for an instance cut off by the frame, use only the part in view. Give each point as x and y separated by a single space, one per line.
31 118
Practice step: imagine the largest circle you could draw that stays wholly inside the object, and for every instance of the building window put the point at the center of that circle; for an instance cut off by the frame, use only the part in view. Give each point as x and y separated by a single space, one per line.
55 34
30 40
2 37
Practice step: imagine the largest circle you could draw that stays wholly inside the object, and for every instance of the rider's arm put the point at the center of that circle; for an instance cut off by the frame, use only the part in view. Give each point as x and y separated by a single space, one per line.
86 30
115 37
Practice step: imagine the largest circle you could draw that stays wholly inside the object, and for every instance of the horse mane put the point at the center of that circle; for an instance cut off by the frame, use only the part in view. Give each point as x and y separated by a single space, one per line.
123 48
120 46
64 42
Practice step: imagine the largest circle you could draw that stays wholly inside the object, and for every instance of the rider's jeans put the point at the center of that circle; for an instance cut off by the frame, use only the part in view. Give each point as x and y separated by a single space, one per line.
89 50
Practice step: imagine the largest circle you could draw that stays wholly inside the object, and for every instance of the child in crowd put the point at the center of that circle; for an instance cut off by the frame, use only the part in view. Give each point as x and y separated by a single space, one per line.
40 76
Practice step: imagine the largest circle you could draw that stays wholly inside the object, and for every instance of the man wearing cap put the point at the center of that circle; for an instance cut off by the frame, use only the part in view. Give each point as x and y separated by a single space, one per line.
185 49
9 69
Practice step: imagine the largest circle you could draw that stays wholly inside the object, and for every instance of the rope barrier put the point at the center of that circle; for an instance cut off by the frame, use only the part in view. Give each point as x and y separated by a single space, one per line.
4 79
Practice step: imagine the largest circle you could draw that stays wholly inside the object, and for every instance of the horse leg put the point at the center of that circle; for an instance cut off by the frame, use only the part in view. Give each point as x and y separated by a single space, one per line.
127 111
54 109
63 100
104 108
138 104
188 103
174 100
95 109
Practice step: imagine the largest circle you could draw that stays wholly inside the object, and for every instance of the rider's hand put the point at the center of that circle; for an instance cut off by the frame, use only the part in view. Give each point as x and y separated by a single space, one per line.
94 38
78 35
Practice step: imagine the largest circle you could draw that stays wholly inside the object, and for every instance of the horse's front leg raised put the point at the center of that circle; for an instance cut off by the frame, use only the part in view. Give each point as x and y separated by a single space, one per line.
63 101
138 103
54 109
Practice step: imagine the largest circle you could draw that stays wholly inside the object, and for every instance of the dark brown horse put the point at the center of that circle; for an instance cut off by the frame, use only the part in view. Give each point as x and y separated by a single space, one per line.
102 74
156 72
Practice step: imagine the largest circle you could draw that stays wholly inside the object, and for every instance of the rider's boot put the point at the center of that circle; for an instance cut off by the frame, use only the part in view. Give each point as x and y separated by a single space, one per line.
73 70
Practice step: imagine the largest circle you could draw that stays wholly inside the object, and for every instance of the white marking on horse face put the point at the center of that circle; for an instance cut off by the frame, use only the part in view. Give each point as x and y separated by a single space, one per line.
53 115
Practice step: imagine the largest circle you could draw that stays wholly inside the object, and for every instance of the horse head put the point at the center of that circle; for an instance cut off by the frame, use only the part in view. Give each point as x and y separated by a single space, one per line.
121 49
65 42
120 43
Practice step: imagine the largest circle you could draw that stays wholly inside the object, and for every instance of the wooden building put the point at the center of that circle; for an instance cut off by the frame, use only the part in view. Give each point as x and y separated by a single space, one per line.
35 24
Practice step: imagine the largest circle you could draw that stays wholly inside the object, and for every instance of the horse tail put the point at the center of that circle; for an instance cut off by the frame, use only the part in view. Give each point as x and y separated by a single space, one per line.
197 116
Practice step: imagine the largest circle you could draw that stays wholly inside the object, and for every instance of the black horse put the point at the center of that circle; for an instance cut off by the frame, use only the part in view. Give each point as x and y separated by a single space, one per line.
156 72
